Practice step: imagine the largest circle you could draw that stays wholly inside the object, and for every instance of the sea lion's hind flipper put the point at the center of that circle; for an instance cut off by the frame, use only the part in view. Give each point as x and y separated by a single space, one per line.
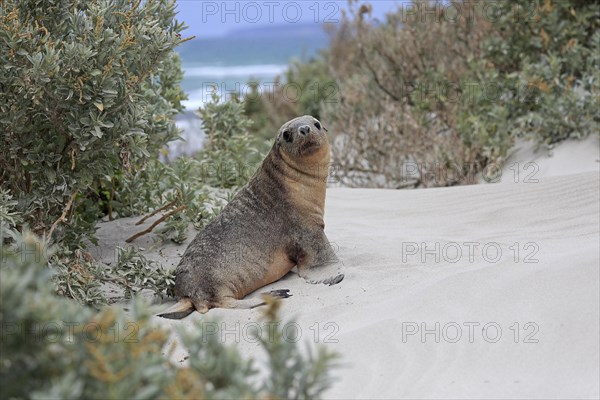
279 294
179 310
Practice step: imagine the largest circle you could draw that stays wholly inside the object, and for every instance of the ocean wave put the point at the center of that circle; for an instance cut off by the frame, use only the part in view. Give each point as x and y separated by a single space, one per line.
199 97
193 104
235 70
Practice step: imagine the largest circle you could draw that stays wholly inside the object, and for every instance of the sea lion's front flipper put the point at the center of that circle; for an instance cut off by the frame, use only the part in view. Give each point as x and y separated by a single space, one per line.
328 274
320 263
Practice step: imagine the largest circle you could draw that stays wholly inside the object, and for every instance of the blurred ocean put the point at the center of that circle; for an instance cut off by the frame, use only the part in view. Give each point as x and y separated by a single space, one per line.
230 62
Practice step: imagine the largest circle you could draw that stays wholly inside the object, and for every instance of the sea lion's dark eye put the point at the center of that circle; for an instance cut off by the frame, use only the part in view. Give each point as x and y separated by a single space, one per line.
287 136
318 125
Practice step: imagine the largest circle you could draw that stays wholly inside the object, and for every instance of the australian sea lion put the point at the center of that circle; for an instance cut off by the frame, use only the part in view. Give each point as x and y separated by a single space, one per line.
273 223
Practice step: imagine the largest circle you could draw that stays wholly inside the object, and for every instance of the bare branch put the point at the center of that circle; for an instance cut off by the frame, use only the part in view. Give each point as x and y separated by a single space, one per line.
63 215
153 213
158 221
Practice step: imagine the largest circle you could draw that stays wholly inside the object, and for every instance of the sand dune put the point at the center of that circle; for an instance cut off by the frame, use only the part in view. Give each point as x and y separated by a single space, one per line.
553 223
483 291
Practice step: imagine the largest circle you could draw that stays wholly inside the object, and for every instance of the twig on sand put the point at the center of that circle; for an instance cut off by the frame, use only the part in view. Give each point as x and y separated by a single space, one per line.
158 221
63 216
153 213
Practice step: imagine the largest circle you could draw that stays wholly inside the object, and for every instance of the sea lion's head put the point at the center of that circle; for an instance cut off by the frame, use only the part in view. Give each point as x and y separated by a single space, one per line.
303 138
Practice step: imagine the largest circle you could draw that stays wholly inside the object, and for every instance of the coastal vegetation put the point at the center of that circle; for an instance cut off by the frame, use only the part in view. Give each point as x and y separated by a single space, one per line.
88 95
446 87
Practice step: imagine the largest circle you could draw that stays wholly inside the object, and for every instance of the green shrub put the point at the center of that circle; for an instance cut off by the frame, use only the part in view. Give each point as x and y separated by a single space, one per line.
312 86
227 157
545 60
9 217
87 88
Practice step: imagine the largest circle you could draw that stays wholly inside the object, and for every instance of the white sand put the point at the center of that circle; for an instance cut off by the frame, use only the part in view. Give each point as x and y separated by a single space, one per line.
394 289
528 161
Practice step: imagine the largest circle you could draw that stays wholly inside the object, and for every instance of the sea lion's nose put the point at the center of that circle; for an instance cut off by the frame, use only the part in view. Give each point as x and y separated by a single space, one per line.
304 130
